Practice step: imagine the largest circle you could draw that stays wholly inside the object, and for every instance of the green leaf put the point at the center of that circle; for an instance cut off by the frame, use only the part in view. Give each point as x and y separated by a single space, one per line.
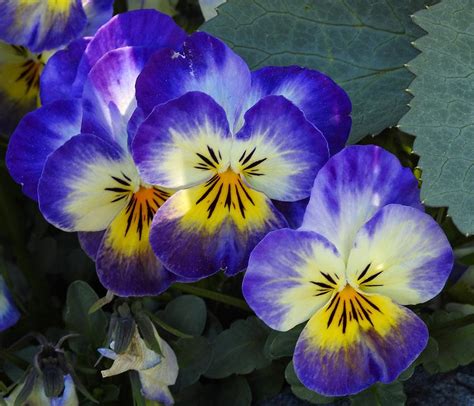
266 382
186 313
381 395
442 110
454 344
282 344
463 290
234 391
300 391
362 44
239 349
80 298
194 357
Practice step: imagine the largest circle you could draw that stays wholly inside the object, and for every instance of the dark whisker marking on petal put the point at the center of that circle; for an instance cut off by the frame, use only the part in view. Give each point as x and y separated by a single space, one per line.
370 302
205 159
371 277
121 181
202 167
332 301
140 223
328 277
254 164
118 198
353 310
246 193
209 189
372 285
126 177
239 200
249 156
322 293
364 311
322 285
213 154
331 316
242 156
364 272
219 152
116 189
228 198
213 205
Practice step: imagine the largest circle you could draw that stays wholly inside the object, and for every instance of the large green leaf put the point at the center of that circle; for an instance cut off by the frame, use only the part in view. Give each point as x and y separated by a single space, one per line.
362 44
442 111
239 349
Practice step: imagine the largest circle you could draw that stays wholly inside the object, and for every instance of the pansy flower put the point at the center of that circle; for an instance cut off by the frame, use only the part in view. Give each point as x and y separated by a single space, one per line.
156 372
37 396
232 141
9 314
73 154
22 63
364 251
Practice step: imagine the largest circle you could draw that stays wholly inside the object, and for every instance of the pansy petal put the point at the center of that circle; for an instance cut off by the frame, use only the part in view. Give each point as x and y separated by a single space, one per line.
206 65
20 71
126 29
126 264
39 134
291 274
109 93
183 142
356 341
90 242
41 25
401 253
278 151
85 184
293 211
60 72
9 314
213 226
98 12
351 187
322 101
155 381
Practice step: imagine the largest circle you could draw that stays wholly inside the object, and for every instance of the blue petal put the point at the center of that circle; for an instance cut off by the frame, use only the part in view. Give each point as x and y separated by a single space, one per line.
39 134
9 314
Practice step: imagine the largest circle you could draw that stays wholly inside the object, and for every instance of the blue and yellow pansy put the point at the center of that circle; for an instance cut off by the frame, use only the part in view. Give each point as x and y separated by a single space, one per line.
230 141
72 155
364 250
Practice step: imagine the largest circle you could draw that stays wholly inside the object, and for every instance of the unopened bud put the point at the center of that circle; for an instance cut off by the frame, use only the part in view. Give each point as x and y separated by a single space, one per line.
124 330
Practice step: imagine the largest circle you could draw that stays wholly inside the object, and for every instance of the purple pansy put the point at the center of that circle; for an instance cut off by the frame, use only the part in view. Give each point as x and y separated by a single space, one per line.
364 250
72 154
232 141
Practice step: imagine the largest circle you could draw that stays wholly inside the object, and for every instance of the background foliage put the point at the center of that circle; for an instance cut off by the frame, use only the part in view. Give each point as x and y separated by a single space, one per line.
226 355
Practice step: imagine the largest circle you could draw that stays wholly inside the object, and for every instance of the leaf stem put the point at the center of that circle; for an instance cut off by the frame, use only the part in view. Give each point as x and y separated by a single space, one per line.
216 296
453 324
167 327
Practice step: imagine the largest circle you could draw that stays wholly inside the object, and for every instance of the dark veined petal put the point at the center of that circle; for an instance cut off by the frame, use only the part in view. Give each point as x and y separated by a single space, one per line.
213 226
290 276
355 341
278 151
183 142
401 253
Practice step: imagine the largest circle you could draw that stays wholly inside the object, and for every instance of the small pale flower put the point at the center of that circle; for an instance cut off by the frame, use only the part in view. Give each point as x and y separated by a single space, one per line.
365 249
156 372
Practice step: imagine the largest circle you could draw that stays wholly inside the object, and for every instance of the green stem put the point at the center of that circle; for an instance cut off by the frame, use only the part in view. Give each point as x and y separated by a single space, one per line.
167 327
453 324
209 294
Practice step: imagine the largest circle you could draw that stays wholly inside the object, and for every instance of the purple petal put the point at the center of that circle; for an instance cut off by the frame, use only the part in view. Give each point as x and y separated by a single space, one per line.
206 65
323 102
278 151
39 134
351 187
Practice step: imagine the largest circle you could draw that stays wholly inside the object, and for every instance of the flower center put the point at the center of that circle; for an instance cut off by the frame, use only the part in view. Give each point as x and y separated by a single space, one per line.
142 204
350 306
30 70
226 191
